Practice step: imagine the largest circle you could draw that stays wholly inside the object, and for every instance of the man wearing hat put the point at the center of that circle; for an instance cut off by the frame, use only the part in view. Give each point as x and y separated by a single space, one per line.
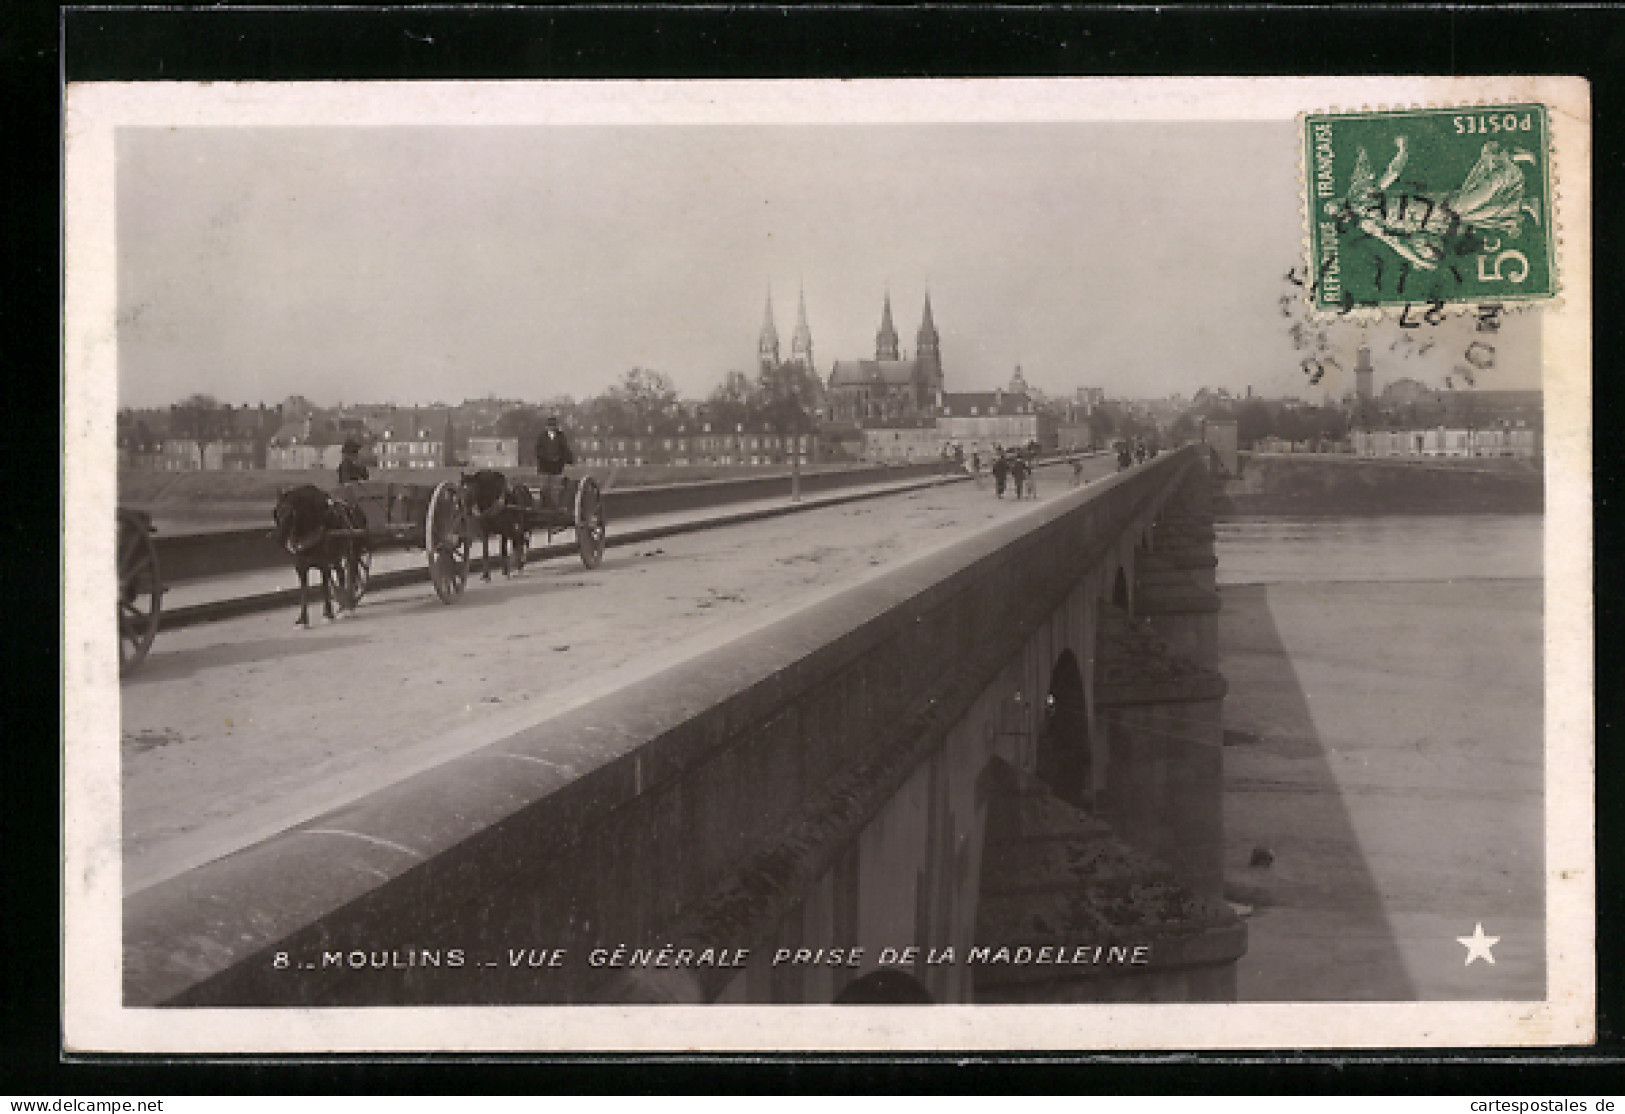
351 469
552 455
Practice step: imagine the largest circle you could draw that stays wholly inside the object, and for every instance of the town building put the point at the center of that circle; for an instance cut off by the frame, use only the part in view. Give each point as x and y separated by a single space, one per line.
416 440
1483 409
302 443
192 437
493 452
1087 398
139 448
894 444
1500 441
981 419
180 454
1072 436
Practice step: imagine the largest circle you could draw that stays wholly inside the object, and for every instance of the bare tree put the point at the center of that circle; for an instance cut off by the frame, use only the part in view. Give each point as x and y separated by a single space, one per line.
200 419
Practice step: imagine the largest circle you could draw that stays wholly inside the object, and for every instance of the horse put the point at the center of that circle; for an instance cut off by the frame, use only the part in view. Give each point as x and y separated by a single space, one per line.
501 509
305 517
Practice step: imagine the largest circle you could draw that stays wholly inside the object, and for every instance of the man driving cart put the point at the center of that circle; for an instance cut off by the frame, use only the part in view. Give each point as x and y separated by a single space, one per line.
553 455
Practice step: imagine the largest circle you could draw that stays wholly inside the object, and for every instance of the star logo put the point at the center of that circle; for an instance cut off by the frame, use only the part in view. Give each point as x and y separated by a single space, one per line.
1478 945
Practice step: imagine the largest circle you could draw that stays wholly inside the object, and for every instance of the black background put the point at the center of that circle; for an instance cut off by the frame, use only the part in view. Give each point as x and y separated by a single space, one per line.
40 44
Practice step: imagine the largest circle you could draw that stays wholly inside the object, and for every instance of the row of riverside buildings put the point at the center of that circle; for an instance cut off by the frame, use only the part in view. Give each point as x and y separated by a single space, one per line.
296 436
894 408
1411 419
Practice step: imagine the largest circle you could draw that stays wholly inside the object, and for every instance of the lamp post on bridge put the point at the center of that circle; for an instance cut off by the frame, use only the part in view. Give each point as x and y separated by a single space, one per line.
789 407
795 447
795 458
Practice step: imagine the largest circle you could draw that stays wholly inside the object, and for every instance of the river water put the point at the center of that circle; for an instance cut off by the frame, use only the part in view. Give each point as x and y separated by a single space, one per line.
1280 550
1385 744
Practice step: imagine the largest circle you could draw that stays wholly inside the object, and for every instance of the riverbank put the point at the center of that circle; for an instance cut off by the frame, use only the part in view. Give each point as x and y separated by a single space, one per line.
1384 758
1327 485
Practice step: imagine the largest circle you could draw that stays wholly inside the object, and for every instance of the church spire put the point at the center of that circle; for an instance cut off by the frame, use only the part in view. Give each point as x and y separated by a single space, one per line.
801 346
928 349
886 338
928 327
767 346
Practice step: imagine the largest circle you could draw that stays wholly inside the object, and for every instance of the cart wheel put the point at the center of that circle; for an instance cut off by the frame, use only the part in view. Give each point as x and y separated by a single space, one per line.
140 591
446 541
590 523
356 568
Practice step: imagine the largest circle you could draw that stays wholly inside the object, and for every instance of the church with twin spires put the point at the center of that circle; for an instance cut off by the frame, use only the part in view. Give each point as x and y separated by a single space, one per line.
887 390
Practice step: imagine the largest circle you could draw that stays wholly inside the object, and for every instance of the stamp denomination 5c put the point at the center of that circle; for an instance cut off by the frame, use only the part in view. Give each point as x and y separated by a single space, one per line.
1429 208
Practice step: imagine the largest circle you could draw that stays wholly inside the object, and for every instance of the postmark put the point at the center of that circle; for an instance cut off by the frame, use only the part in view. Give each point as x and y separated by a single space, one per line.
1423 211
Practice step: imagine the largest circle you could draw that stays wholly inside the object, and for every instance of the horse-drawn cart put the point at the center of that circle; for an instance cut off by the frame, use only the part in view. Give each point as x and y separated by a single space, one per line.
443 522
140 588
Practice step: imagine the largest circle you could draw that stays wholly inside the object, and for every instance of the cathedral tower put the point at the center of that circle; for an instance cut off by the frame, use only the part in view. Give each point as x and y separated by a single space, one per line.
928 349
801 346
886 338
767 345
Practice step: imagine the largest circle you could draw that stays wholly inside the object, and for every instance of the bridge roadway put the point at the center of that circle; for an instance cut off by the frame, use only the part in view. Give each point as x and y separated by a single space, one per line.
238 729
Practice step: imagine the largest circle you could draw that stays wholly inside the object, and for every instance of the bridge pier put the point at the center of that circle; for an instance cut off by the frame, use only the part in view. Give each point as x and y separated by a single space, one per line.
1070 913
1175 578
1160 715
1178 609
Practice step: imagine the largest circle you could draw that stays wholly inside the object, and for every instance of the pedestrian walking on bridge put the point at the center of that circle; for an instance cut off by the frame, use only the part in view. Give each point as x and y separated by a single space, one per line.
1001 472
1019 471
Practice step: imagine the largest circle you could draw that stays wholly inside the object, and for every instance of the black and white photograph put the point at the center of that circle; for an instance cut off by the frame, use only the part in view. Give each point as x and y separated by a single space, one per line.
624 565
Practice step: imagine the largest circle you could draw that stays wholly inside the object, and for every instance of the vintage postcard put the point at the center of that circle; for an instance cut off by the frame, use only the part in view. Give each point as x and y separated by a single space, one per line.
1100 564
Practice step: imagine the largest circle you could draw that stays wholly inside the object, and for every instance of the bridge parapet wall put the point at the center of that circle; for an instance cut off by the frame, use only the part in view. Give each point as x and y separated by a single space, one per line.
193 556
700 808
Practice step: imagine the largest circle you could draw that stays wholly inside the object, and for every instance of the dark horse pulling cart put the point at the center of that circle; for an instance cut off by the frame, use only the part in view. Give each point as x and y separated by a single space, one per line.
444 519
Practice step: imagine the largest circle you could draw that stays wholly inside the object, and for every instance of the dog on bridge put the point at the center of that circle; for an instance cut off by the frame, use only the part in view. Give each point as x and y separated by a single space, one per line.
305 518
498 507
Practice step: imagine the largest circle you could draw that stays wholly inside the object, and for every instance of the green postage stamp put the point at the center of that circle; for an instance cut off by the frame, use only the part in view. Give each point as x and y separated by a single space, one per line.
1420 209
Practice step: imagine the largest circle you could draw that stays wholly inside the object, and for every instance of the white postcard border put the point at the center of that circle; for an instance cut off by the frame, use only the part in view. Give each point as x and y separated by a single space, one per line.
94 1019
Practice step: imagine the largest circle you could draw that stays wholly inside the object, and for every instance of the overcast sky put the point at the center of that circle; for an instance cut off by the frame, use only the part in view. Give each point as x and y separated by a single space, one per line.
437 264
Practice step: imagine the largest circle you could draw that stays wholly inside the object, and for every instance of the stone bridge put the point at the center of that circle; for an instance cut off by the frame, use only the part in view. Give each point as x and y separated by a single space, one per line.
989 775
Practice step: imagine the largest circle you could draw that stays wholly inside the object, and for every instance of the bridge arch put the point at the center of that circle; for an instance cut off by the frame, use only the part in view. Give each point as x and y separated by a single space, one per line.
1120 589
1065 757
888 986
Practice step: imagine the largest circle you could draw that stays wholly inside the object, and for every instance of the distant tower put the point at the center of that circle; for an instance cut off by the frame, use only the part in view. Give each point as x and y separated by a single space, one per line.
1018 383
928 350
886 338
1365 407
801 346
767 346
